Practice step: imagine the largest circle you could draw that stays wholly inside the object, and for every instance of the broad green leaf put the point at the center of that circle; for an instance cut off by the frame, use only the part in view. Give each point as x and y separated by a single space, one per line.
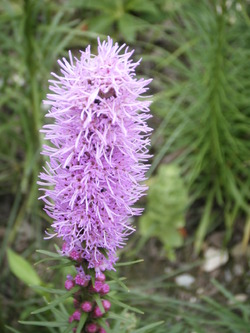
129 25
141 6
101 24
22 269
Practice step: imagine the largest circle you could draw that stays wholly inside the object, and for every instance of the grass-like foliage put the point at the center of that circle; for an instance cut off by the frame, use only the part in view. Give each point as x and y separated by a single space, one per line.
205 107
197 52
135 308
33 35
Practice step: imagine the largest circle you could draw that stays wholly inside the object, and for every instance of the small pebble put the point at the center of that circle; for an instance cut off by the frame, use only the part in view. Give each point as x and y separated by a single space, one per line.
238 270
214 258
193 300
228 276
184 280
200 291
238 298
241 297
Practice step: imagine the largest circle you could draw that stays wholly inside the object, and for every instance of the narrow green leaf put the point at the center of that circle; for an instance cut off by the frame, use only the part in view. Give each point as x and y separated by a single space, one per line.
12 329
57 301
69 328
125 306
113 315
45 323
99 302
129 262
118 281
82 322
49 254
66 264
22 268
49 290
148 327
121 279
63 260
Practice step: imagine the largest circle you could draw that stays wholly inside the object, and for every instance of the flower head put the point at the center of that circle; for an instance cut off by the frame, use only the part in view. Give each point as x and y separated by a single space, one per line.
99 148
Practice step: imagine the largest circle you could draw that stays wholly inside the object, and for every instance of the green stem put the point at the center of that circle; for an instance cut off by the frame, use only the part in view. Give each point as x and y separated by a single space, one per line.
204 223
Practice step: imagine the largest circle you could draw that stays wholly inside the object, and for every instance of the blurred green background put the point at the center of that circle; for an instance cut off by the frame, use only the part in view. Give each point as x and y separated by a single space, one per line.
198 54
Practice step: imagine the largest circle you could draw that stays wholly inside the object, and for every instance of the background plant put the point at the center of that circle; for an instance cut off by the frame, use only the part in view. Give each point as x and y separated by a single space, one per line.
197 53
205 109
167 202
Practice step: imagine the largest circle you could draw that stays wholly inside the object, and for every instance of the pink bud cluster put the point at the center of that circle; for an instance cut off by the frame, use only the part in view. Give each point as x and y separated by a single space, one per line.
84 303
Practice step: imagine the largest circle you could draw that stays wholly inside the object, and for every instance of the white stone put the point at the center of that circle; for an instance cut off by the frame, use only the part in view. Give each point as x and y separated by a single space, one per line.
184 280
228 276
238 270
214 258
240 251
241 297
238 7
238 298
193 300
200 291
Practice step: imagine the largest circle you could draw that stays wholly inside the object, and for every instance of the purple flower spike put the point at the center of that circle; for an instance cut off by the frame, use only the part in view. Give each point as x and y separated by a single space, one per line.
100 142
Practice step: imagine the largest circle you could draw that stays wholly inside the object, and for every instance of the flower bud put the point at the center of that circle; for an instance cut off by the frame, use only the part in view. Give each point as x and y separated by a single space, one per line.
81 281
97 313
105 289
106 304
71 319
101 277
86 306
97 287
77 315
69 284
91 328
102 330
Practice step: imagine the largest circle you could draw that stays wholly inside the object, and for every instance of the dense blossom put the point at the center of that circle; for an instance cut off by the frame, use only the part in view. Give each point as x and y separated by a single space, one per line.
97 160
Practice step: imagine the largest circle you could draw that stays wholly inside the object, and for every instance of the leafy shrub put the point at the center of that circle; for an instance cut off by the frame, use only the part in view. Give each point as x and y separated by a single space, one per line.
165 214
